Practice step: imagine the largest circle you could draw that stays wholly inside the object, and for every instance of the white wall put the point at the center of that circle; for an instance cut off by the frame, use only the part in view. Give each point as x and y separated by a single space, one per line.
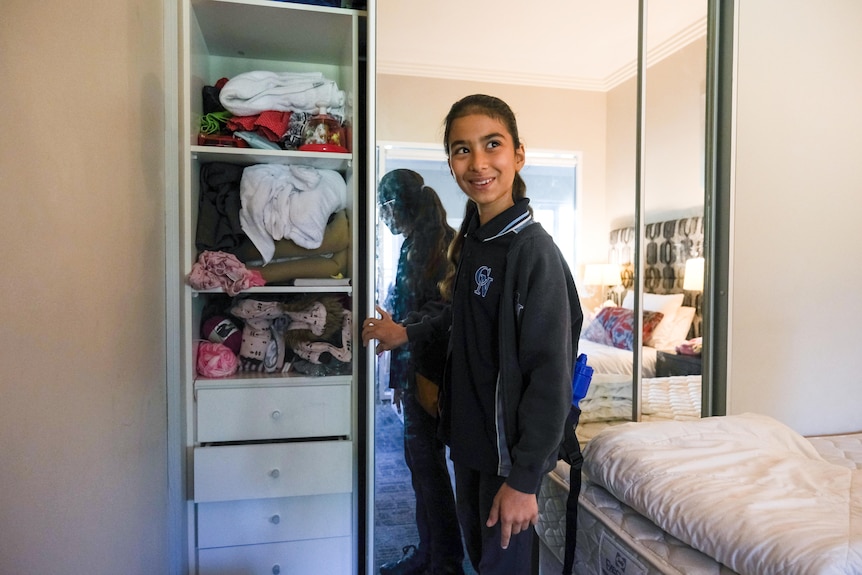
82 376
796 318
674 140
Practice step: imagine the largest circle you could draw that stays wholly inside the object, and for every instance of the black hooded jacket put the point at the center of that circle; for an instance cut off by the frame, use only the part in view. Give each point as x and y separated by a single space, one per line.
538 325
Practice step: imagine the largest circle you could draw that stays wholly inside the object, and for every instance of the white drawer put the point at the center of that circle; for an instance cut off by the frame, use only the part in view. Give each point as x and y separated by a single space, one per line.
313 557
250 521
226 473
242 414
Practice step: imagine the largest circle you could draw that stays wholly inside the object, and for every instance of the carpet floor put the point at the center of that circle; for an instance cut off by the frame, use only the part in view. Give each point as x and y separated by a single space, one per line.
394 501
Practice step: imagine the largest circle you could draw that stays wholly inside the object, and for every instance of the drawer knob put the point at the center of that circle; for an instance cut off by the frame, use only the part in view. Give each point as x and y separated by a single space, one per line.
276 414
276 569
274 473
275 519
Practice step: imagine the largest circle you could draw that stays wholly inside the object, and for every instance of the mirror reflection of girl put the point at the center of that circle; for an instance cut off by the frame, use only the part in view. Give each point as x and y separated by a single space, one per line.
515 322
412 209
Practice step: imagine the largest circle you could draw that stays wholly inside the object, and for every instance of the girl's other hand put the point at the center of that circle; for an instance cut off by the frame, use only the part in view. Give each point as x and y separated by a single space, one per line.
388 333
516 512
397 399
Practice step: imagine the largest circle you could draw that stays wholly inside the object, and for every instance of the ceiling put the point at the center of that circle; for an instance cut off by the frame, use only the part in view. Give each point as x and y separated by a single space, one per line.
573 44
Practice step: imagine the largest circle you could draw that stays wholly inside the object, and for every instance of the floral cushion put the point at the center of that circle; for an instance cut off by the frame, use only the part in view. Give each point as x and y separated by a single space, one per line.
613 326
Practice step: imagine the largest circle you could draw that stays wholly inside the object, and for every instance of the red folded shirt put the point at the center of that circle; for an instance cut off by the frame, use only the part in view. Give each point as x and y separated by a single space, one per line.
270 124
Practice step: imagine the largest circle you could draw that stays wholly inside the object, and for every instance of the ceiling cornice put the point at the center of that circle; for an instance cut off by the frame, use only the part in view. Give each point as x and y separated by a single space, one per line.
485 75
655 54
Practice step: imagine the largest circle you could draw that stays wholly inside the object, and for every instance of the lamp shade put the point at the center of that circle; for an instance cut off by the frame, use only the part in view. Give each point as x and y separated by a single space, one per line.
693 280
602 275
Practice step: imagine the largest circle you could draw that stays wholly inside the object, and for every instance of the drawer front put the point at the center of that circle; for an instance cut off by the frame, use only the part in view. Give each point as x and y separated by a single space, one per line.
226 523
244 414
313 557
227 473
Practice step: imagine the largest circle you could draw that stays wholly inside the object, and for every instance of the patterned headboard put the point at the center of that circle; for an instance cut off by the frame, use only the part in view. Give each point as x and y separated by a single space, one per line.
668 245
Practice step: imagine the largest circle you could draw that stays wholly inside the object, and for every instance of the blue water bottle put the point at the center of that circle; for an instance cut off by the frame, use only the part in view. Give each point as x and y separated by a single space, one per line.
581 380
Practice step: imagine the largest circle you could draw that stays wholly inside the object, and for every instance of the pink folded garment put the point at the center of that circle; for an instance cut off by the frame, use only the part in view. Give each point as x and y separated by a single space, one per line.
221 269
690 347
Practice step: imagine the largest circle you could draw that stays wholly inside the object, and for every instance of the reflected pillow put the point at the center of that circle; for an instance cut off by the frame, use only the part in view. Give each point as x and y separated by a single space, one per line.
613 327
681 325
667 304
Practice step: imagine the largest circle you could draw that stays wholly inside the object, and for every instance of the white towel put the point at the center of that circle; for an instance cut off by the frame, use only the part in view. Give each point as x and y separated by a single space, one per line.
292 202
251 93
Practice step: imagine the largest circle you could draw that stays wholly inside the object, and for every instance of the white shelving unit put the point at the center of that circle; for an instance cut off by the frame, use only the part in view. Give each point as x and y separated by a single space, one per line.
271 458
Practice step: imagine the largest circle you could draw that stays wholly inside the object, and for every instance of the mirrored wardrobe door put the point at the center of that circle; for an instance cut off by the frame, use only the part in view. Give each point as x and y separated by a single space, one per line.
657 153
590 116
672 216
611 353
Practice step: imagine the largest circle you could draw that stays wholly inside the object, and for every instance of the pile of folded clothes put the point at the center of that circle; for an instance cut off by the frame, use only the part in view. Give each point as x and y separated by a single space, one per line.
284 222
306 333
277 111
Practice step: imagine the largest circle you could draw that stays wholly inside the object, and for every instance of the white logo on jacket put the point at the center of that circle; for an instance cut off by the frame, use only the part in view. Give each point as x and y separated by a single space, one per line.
483 281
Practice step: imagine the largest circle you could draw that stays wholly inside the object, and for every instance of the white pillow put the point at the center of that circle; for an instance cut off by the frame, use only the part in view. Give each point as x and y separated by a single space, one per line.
681 325
667 304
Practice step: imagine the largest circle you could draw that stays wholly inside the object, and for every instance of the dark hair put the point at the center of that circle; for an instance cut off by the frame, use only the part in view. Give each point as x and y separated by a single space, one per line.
496 109
430 232
485 105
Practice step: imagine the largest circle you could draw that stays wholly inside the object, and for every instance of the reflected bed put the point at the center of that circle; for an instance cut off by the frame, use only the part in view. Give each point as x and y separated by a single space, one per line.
609 401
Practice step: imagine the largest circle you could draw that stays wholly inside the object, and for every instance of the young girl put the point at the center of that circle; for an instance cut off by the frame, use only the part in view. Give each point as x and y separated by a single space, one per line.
515 322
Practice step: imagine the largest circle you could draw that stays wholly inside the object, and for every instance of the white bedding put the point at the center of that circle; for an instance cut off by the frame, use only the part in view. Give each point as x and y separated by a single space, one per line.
609 359
745 489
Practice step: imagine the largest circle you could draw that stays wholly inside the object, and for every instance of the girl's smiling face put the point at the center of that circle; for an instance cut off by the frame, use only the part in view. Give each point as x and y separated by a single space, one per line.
483 159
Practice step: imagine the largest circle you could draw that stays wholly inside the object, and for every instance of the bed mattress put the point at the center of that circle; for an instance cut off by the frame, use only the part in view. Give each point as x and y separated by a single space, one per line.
614 538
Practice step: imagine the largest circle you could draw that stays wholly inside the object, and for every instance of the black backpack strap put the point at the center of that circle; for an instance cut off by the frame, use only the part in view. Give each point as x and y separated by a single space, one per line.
570 452
570 448
572 517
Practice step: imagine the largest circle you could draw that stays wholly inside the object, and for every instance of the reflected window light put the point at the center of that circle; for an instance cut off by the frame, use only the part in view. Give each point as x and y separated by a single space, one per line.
552 179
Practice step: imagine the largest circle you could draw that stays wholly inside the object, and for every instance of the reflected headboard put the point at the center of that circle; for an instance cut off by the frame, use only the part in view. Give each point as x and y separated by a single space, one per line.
668 245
